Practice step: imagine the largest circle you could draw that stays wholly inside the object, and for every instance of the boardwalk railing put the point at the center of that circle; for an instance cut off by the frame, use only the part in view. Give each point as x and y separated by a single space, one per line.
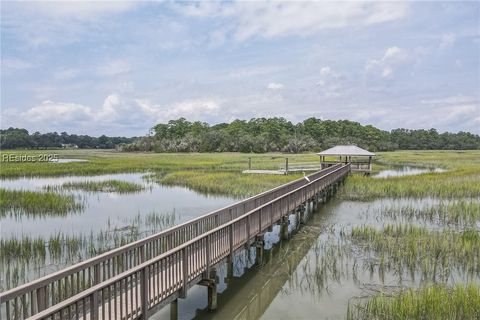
131 294
37 295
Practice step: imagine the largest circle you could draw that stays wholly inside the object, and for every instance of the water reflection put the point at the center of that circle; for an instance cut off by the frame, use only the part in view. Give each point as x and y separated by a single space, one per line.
68 160
405 171
108 209
317 272
108 220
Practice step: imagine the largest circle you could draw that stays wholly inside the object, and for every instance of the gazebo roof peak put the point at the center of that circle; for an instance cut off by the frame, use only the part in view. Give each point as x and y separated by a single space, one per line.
346 151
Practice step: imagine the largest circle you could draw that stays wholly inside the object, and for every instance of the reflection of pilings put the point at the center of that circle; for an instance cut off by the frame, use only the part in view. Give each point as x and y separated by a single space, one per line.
284 228
211 285
271 286
174 310
249 296
259 244
301 213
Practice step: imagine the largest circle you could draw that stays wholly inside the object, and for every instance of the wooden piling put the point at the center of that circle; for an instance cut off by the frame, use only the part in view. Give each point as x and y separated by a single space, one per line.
174 310
284 228
259 244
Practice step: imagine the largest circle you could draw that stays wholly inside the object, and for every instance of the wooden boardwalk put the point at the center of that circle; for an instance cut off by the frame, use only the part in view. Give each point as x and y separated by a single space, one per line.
131 281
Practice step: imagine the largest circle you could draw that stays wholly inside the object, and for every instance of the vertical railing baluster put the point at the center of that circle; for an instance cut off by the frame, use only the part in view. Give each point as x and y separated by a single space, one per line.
94 306
144 290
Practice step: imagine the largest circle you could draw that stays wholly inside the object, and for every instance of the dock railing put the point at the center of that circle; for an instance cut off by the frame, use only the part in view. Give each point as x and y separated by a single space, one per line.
131 294
33 297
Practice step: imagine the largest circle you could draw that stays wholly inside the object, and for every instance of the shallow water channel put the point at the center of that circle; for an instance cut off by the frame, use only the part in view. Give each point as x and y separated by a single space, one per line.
109 209
405 171
107 220
313 275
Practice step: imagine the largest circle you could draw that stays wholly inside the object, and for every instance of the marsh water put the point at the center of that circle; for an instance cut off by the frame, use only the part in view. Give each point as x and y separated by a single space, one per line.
405 171
109 210
107 220
314 275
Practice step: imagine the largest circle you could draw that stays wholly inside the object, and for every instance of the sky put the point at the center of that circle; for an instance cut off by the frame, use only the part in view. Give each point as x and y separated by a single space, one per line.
118 68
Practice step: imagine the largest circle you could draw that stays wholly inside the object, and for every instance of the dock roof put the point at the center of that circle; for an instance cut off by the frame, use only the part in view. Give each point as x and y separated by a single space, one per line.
346 151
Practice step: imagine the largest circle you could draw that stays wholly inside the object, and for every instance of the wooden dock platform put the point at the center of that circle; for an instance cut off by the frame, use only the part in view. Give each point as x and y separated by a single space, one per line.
132 281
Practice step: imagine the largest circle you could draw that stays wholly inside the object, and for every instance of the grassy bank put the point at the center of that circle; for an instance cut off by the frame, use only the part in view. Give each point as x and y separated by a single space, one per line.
109 161
434 302
223 182
410 249
462 178
100 186
462 212
25 257
30 203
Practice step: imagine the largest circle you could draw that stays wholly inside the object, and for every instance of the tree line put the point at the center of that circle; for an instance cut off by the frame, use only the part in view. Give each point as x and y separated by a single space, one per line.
257 135
16 138
260 135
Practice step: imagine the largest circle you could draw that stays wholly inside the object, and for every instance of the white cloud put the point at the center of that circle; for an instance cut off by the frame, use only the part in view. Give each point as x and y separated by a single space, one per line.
79 10
275 19
456 112
447 40
53 113
331 82
12 65
247 72
392 58
275 86
117 113
458 99
66 74
114 68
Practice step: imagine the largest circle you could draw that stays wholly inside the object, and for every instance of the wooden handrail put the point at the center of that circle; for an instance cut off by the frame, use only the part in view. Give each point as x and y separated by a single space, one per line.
98 268
178 255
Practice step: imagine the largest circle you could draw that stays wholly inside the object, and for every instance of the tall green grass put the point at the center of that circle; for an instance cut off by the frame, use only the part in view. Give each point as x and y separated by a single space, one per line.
223 182
463 212
441 185
105 161
26 255
435 254
461 180
100 186
430 303
32 203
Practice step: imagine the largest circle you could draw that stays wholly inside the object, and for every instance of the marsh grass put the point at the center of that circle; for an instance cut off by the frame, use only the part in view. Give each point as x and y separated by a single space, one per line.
31 203
222 182
408 249
460 181
100 186
439 185
108 161
463 212
328 264
433 302
20 256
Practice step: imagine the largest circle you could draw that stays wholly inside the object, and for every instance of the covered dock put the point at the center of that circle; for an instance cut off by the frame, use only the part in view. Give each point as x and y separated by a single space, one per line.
360 159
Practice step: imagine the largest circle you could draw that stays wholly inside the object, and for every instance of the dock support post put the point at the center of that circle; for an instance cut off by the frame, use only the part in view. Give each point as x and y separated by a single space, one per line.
211 284
301 214
174 310
284 228
212 297
259 244
229 268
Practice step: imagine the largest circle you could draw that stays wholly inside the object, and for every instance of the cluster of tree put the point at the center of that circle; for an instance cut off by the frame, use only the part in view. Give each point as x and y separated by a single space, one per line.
15 138
278 134
256 135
